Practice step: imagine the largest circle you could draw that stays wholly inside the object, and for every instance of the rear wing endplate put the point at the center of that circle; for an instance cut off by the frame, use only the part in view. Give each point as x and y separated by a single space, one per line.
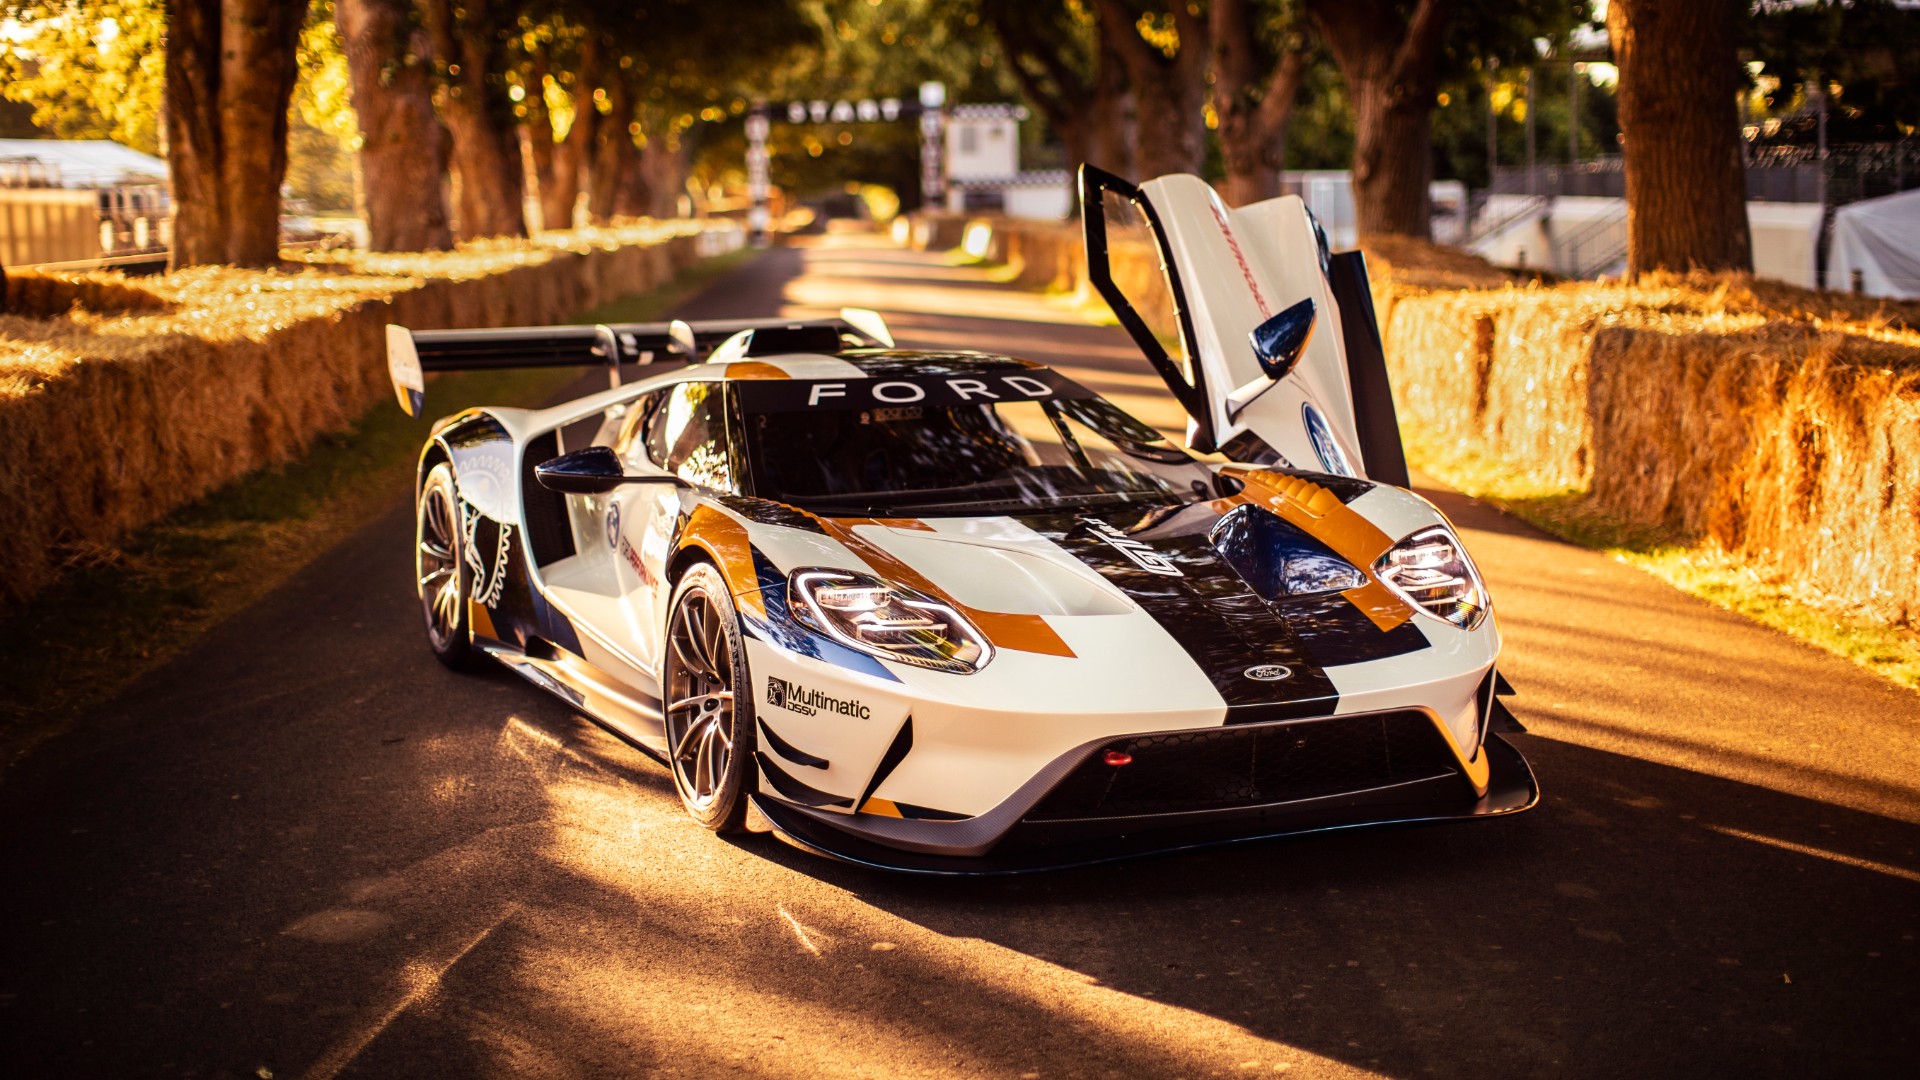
413 353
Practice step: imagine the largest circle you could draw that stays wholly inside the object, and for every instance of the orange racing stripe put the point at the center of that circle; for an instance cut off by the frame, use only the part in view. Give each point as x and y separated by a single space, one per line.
1320 514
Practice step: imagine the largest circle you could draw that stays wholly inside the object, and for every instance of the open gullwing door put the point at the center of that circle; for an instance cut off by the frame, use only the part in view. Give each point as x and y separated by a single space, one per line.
1264 337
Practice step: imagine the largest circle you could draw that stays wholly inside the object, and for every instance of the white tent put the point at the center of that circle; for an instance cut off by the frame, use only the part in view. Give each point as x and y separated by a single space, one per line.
87 163
1876 247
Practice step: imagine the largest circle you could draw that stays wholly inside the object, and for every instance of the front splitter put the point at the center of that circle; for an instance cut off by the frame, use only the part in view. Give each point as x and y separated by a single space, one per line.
1511 788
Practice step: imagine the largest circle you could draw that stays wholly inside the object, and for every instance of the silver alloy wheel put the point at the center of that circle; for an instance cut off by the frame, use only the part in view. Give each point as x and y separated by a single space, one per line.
699 694
437 564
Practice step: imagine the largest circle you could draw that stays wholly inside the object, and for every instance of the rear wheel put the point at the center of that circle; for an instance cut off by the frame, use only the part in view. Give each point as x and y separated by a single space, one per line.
709 728
444 584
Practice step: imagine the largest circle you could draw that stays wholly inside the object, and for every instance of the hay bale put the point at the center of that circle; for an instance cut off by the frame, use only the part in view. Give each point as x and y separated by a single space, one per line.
123 401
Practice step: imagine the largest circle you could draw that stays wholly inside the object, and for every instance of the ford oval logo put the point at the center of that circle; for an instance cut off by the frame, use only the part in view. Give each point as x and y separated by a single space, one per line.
1332 458
1268 672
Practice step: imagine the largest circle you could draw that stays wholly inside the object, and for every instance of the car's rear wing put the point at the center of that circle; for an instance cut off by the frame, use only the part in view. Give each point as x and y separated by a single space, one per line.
413 353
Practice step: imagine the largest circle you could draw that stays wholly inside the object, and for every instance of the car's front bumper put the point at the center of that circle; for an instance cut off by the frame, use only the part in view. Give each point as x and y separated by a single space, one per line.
1031 839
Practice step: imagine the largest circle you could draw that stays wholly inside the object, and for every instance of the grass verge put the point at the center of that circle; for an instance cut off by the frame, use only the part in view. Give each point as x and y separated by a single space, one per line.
117 613
1714 576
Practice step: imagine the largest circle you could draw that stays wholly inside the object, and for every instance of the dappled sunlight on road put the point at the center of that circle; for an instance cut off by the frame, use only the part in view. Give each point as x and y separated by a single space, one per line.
864 993
921 285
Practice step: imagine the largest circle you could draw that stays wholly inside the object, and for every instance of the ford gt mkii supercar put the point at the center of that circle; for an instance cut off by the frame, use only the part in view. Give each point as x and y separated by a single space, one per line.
952 612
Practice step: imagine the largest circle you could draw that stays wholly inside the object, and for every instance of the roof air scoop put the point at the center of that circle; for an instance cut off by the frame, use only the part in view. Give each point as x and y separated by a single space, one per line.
799 337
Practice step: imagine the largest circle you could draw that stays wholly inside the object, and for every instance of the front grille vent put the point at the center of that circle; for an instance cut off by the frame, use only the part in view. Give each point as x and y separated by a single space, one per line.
1250 765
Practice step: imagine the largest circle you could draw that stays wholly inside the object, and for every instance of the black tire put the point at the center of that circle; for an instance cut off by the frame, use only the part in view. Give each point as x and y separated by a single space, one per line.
442 579
707 702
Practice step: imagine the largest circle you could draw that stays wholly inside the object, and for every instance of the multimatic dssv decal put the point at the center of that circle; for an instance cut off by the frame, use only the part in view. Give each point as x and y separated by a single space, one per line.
1141 554
795 698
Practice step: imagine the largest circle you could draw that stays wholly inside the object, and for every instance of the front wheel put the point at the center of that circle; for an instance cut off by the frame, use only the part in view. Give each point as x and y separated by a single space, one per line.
709 729
443 580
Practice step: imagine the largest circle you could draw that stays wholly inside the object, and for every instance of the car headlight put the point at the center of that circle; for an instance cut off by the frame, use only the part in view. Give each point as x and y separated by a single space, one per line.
886 620
1431 570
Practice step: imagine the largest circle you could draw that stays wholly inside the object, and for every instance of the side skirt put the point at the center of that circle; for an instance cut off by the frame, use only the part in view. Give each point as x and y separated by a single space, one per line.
587 689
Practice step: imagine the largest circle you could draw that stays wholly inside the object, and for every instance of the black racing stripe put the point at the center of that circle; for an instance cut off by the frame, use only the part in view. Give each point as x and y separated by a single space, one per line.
889 761
1208 609
1336 632
1263 549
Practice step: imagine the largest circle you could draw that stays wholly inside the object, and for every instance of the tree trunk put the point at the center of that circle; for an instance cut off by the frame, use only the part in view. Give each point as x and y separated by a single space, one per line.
1686 186
1111 146
1390 65
1168 94
614 154
664 168
557 200
1392 162
537 130
1253 98
192 116
403 150
231 66
477 111
632 195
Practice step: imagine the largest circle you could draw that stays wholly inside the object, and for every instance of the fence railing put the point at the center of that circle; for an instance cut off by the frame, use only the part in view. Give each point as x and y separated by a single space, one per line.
1493 216
1593 247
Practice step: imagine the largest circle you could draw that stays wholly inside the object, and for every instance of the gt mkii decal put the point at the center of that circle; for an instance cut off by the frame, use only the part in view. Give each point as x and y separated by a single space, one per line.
1141 554
795 698
634 560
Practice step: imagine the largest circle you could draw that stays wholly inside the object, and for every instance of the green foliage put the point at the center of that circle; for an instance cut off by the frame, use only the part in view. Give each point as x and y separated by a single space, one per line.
324 134
1320 132
1868 51
852 49
889 49
90 69
1460 126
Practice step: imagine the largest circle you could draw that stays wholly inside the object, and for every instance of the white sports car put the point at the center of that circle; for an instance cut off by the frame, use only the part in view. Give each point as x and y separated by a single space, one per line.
952 612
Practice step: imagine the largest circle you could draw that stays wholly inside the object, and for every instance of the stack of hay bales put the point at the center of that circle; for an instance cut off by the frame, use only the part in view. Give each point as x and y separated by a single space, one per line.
1775 427
123 399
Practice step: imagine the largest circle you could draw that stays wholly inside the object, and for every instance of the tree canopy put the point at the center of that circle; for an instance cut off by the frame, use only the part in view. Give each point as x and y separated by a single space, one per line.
88 69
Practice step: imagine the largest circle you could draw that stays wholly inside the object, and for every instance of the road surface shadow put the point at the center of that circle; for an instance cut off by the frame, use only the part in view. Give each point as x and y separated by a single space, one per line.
1645 920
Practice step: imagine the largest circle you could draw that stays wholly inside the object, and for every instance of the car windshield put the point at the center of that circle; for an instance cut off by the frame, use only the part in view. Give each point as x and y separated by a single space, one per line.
1026 441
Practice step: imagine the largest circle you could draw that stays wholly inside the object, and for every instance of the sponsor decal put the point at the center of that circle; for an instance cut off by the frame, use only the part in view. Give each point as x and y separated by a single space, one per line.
613 526
489 582
795 698
920 392
1141 554
633 560
1268 672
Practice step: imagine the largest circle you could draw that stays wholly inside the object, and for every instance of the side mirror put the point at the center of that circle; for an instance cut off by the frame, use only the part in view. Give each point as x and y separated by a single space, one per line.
1279 341
593 471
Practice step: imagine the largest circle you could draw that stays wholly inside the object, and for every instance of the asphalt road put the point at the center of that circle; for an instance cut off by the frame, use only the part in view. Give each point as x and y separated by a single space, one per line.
303 849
